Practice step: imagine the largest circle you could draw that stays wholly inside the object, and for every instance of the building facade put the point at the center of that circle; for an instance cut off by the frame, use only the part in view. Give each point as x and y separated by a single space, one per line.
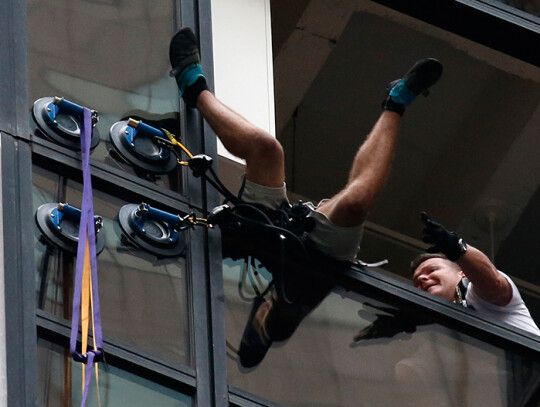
313 73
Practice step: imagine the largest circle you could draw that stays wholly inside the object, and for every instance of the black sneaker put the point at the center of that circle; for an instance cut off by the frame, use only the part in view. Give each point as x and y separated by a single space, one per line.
186 66
401 92
254 345
183 51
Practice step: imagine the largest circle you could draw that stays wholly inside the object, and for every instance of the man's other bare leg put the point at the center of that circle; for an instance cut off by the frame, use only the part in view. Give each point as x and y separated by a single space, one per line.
371 164
368 174
262 152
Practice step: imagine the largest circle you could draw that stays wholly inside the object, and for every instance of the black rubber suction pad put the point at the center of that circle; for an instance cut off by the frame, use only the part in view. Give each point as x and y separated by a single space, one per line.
142 149
61 122
65 233
154 236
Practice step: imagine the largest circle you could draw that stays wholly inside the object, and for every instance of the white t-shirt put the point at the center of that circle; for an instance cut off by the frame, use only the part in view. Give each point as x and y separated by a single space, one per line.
514 313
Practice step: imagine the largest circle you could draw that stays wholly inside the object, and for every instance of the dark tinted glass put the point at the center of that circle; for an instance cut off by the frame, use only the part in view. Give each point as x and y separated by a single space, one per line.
110 56
355 350
466 154
143 298
60 384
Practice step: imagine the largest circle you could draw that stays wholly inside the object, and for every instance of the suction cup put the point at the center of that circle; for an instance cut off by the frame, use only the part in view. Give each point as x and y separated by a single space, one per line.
61 121
139 144
59 224
154 235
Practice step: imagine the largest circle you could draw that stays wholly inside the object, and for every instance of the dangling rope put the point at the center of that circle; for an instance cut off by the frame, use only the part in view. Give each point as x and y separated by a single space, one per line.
85 295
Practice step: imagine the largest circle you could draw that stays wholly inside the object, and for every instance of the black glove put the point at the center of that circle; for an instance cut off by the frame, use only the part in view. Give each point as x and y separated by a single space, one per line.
446 242
385 326
389 322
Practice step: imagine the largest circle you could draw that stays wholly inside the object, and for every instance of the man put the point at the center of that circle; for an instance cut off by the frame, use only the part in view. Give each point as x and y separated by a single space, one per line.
338 220
465 275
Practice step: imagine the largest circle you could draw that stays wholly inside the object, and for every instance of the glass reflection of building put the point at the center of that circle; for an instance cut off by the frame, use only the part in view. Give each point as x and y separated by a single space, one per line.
466 154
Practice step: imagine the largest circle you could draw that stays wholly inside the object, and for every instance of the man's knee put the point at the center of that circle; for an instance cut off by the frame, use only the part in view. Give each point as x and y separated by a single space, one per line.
352 207
267 147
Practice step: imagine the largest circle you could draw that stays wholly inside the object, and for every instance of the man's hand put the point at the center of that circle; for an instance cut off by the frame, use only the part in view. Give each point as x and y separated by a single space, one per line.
446 242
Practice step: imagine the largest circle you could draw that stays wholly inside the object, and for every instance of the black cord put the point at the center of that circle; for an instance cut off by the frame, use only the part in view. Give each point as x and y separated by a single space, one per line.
225 192
282 234
281 287
255 209
283 221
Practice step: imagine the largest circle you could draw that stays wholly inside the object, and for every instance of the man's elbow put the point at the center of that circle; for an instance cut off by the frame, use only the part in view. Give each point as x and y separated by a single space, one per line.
501 292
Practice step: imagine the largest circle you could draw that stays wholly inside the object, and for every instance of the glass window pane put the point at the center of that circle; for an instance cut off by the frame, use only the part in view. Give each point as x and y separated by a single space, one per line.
107 55
60 384
354 350
143 299
466 154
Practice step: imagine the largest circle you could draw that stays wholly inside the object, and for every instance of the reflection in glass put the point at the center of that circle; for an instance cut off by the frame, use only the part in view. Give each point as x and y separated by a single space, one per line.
143 299
109 56
60 384
355 350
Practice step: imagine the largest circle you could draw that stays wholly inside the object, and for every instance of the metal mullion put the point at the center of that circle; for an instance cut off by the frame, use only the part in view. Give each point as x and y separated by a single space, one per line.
18 271
217 295
198 280
58 331
14 114
123 190
17 229
479 22
50 154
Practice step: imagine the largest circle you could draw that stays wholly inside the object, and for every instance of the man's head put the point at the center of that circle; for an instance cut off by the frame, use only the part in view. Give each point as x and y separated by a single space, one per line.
436 274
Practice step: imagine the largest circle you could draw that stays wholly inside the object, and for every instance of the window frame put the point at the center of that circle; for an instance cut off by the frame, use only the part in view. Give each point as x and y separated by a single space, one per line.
498 26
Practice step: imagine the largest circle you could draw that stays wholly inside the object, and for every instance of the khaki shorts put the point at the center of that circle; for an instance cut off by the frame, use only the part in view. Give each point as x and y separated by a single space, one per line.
339 242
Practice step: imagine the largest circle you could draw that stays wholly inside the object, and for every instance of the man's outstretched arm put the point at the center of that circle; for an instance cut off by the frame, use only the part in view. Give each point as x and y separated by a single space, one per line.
488 283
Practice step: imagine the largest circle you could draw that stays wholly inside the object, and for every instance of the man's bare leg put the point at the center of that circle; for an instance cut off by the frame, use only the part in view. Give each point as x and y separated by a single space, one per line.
368 174
262 152
371 164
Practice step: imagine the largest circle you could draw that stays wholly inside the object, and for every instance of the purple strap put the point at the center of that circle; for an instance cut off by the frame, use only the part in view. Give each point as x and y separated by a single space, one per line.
89 369
87 227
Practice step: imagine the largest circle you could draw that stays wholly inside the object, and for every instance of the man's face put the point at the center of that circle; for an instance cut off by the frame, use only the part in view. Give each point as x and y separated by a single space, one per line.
437 276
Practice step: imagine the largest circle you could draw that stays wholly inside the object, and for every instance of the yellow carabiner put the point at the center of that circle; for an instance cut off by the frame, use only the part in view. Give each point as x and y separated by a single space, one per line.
171 138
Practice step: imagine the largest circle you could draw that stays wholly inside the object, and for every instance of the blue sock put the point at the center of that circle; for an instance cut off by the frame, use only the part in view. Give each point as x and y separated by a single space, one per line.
188 77
400 93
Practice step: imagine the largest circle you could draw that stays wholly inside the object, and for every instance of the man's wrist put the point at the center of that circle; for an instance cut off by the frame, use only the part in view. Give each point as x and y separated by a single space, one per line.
457 248
462 246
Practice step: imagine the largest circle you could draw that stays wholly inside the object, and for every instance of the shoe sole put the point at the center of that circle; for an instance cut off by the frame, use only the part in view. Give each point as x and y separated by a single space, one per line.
185 44
423 75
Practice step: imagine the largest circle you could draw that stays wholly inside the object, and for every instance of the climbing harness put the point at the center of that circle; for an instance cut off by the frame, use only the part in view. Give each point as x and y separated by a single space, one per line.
461 292
284 227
